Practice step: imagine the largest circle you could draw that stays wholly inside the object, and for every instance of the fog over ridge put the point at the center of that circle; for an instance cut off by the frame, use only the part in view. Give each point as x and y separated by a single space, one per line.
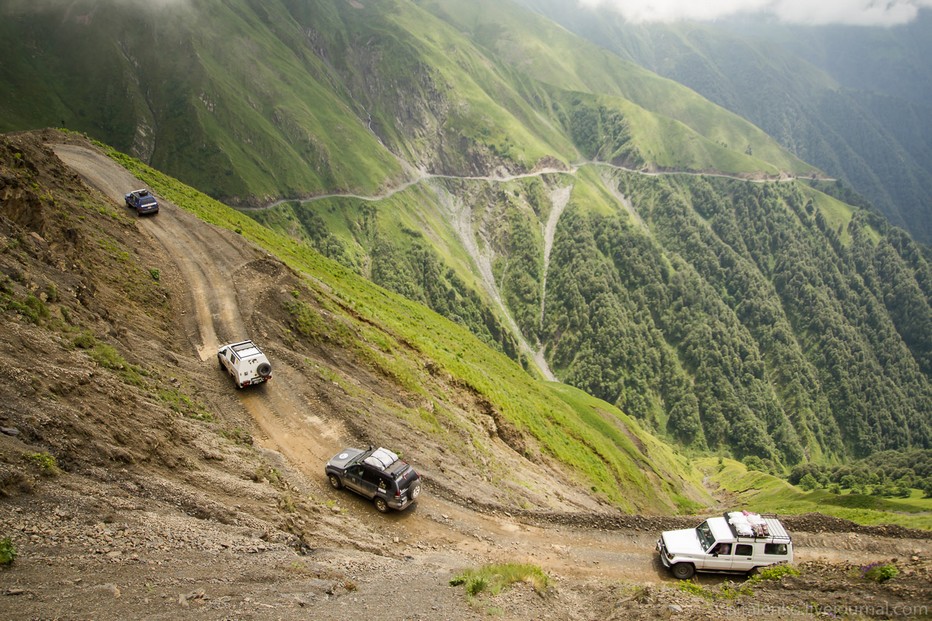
806 12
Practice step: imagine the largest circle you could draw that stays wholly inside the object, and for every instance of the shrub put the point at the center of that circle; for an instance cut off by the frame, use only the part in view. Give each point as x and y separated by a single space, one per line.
880 572
84 340
808 482
46 463
775 572
731 591
476 585
7 551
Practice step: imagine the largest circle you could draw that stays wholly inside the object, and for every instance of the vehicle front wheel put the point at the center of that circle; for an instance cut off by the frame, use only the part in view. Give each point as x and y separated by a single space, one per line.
684 571
335 482
381 505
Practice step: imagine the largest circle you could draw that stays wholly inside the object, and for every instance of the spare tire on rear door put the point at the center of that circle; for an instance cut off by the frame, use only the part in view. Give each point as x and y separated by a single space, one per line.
265 369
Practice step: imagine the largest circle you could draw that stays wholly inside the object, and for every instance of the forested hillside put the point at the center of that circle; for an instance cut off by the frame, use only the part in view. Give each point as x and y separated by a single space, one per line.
766 319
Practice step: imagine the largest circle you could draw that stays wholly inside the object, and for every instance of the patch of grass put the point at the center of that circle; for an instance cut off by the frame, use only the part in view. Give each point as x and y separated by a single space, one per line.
727 590
238 435
694 588
30 307
497 577
286 503
730 590
84 340
183 404
268 473
7 551
109 358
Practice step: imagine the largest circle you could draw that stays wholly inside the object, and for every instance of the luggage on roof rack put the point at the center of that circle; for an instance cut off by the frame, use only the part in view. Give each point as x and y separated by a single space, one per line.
381 458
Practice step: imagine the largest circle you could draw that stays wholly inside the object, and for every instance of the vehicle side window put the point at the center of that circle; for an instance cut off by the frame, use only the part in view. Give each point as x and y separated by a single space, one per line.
744 549
722 548
370 477
775 548
356 471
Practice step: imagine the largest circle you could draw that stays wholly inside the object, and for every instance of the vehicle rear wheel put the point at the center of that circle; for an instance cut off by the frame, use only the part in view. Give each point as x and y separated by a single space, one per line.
380 504
335 482
751 572
684 571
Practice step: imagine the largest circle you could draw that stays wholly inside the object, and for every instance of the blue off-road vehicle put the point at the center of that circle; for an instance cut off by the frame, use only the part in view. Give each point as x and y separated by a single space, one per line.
142 201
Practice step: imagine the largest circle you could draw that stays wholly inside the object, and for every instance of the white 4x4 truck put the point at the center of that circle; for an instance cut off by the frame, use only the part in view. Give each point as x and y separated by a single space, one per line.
737 542
245 362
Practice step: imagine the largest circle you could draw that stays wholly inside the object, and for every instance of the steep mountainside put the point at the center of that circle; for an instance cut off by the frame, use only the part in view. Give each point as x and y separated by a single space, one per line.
853 101
137 482
373 356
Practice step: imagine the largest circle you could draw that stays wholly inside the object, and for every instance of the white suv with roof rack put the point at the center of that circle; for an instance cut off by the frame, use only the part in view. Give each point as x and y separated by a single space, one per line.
737 542
245 362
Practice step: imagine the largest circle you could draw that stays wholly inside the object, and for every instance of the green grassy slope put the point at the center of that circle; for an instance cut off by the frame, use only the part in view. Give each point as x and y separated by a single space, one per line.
550 54
764 492
212 94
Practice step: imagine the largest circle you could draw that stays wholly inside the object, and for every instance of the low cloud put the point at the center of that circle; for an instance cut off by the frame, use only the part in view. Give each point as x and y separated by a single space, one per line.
809 12
14 7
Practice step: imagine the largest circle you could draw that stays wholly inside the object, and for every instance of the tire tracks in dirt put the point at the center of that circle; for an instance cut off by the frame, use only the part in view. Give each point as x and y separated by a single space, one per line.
207 259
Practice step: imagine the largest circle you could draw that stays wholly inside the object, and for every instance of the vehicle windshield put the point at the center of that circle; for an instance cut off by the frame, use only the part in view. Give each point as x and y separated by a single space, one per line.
705 535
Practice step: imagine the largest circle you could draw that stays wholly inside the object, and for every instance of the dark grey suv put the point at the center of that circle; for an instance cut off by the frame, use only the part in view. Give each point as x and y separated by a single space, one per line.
376 474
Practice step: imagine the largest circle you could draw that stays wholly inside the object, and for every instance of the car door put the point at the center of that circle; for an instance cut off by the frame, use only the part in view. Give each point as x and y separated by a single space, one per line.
353 479
368 481
743 559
